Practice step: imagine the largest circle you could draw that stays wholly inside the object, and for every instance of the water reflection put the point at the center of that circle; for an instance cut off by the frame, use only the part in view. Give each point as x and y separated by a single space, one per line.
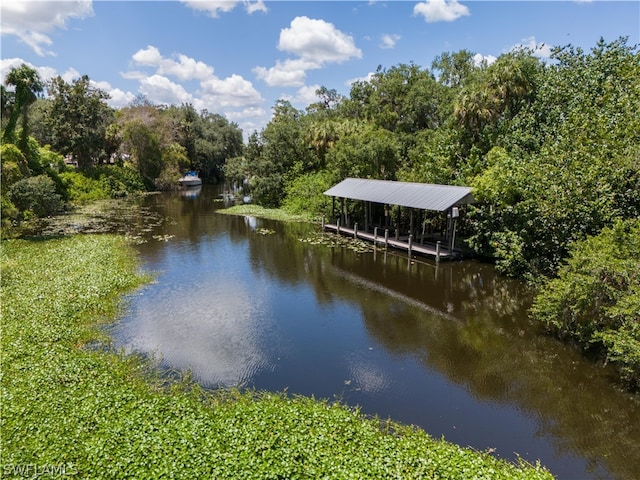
448 347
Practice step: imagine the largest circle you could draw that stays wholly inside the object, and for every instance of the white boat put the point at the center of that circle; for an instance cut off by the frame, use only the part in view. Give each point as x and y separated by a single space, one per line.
190 179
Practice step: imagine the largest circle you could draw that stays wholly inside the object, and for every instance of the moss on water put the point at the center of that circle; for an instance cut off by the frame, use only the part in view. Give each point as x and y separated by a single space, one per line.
94 413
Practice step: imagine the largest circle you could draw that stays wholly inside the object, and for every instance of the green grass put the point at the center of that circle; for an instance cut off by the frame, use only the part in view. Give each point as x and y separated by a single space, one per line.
69 406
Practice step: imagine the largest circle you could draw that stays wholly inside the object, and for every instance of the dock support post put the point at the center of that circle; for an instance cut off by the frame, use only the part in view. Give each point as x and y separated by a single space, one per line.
338 226
410 243
375 236
323 223
386 237
355 230
397 234
438 251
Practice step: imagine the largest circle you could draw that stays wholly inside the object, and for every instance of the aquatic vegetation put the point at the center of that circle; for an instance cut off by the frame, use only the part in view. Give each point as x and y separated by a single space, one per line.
71 404
333 240
268 213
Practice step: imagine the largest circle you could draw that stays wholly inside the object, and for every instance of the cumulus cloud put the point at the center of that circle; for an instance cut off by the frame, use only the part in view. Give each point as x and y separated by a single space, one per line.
232 96
160 89
117 98
540 50
290 73
440 10
253 7
32 22
305 95
366 78
214 8
315 43
479 59
184 68
389 40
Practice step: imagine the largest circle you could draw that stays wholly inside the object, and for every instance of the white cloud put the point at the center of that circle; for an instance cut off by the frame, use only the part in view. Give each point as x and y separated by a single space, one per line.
389 40
253 7
290 73
479 59
216 94
212 7
315 43
31 22
440 10
231 92
251 112
540 50
161 90
118 98
306 95
366 78
184 68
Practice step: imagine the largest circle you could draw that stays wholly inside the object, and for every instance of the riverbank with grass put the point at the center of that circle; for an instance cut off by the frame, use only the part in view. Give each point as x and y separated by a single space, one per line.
71 406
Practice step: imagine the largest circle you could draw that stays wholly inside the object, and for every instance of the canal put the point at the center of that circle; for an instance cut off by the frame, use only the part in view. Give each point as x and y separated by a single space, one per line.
241 301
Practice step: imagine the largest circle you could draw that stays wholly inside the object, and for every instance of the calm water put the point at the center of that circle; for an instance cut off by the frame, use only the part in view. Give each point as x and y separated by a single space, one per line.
244 301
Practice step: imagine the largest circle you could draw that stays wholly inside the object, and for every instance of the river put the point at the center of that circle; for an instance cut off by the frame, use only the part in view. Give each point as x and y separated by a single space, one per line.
241 301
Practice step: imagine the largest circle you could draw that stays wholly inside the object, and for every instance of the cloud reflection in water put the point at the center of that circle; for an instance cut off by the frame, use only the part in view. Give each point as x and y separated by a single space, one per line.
218 331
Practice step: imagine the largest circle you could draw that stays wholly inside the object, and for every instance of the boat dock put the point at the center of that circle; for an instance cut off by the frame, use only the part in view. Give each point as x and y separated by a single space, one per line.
433 250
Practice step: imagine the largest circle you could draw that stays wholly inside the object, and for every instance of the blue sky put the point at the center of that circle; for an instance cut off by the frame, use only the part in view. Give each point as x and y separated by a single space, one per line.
237 58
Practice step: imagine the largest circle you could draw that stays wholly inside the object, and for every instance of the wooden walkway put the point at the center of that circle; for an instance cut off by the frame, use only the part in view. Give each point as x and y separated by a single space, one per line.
436 251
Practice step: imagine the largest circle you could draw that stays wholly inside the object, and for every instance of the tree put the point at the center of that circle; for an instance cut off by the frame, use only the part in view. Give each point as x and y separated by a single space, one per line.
596 297
455 70
78 119
570 163
27 85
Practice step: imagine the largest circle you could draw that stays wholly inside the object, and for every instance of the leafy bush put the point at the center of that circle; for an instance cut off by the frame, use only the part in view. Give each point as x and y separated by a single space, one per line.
12 159
306 194
107 181
36 195
119 181
596 297
82 189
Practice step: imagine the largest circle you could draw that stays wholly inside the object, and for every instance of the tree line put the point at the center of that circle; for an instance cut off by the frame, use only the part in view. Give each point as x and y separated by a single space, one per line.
551 149
69 145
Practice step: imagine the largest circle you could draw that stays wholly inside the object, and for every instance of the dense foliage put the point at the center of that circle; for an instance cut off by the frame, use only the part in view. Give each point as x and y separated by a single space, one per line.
90 151
92 413
596 297
552 149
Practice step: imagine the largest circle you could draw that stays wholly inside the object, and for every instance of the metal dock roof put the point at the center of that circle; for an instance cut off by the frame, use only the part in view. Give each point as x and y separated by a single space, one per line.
417 195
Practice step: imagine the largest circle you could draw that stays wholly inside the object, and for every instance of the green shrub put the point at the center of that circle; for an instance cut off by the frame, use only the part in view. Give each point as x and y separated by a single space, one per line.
305 195
82 189
596 298
36 195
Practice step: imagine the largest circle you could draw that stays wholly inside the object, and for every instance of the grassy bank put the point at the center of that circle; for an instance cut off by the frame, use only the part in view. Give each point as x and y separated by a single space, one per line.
71 408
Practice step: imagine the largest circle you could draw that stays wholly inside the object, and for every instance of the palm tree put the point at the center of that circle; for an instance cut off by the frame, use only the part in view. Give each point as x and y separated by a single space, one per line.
27 85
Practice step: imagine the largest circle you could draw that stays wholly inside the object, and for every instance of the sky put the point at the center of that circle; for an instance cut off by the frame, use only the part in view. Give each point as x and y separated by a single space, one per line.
238 58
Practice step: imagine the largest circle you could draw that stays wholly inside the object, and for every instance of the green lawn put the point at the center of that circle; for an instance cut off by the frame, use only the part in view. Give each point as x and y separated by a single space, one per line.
72 407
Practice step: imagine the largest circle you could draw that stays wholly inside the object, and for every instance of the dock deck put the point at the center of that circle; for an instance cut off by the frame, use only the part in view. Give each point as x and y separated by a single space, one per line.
436 250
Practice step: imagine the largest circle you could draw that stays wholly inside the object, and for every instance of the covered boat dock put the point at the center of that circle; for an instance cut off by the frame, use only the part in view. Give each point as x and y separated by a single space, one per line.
444 199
